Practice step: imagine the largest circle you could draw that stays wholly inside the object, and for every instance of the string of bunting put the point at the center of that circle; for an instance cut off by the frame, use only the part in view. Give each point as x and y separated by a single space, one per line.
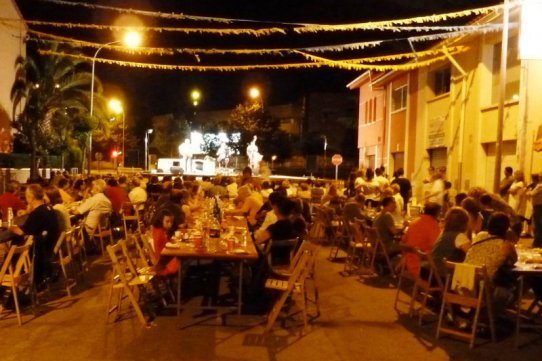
305 27
317 62
245 31
277 51
393 57
314 28
215 31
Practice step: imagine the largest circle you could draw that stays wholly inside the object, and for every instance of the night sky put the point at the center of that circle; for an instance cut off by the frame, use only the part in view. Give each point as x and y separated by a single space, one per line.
149 92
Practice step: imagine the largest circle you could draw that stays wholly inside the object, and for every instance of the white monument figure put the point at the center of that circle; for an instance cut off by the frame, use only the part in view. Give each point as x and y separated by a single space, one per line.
223 154
185 151
254 156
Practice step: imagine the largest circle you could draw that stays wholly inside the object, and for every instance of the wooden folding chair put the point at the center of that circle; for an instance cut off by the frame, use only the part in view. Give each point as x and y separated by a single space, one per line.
126 280
360 249
63 251
480 299
103 231
379 249
17 273
294 284
78 250
405 275
289 244
131 219
432 286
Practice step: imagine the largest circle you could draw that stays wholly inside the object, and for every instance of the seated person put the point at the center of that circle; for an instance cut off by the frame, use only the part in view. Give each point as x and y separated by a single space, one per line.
385 226
422 234
267 210
354 209
42 224
289 225
249 203
95 207
453 242
10 199
498 255
160 229
173 205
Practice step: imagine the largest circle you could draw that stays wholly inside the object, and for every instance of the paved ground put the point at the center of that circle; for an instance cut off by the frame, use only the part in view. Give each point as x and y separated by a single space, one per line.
357 323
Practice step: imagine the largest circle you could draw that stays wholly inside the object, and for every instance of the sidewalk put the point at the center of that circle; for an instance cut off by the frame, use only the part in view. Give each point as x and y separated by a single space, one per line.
357 323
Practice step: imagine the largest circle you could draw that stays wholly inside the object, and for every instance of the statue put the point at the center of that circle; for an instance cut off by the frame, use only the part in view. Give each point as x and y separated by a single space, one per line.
223 154
254 157
185 151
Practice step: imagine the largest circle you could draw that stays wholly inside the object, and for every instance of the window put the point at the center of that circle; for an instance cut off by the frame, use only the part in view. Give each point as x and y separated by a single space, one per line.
369 111
512 73
441 79
399 98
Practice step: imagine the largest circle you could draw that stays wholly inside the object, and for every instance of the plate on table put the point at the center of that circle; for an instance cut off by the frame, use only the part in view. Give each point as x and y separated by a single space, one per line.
172 245
239 251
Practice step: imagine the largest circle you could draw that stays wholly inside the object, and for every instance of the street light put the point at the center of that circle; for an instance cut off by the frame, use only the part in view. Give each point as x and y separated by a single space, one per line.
254 92
325 156
195 95
132 39
273 158
116 106
147 132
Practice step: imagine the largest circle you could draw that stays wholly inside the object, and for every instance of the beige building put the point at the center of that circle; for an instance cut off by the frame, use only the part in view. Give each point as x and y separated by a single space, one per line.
447 114
11 35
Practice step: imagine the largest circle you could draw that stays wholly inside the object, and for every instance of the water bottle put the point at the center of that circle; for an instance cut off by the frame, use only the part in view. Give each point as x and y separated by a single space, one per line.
10 217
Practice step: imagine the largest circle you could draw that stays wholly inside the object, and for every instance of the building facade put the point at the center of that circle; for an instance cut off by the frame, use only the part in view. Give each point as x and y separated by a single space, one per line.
446 115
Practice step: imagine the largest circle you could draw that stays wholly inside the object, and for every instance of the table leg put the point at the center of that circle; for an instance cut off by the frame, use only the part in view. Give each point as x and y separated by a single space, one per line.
179 284
240 295
518 315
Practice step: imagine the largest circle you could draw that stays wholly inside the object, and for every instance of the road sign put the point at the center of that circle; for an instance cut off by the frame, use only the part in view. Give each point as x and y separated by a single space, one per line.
337 159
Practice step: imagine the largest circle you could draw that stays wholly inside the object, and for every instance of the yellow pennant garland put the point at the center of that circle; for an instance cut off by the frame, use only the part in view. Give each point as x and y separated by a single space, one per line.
215 31
317 62
314 28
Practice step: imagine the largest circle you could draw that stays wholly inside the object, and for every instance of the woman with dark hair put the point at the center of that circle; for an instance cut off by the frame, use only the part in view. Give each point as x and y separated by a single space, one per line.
54 199
472 206
453 243
161 227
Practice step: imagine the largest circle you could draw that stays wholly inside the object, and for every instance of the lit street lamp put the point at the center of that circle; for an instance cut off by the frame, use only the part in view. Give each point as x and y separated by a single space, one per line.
116 106
195 95
254 93
273 158
147 132
131 39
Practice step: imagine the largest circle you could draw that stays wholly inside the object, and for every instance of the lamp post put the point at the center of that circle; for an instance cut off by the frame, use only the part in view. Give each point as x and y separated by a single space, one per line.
273 158
116 106
325 156
256 95
131 39
147 132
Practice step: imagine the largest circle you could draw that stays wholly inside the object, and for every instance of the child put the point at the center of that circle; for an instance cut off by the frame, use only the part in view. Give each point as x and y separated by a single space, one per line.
160 228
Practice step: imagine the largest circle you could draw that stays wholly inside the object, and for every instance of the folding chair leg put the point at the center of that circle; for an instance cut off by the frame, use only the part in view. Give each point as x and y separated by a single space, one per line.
136 307
275 311
66 280
16 301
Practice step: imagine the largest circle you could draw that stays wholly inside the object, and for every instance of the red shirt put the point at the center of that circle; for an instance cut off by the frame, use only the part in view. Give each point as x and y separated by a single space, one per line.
421 234
10 200
160 238
117 196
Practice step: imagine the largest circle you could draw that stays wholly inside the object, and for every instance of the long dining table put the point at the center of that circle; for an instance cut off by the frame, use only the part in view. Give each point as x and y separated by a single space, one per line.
216 249
529 265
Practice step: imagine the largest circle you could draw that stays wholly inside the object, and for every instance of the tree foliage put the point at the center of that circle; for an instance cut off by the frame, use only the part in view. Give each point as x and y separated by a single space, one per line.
50 97
250 119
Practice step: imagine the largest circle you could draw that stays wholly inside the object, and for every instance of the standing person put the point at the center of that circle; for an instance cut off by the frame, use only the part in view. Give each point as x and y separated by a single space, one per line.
405 188
371 189
436 192
506 182
536 199
517 199
42 224
185 151
382 181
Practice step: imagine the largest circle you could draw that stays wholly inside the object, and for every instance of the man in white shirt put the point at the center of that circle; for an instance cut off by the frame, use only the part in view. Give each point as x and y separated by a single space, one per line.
138 195
95 207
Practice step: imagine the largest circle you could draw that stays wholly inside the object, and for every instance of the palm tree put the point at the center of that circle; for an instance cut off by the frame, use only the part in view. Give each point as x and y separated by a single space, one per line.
50 98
